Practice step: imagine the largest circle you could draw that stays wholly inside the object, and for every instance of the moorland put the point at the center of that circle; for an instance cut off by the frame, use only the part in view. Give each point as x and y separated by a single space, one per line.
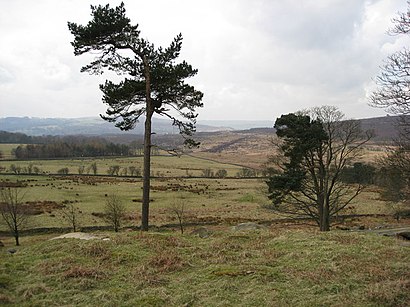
213 263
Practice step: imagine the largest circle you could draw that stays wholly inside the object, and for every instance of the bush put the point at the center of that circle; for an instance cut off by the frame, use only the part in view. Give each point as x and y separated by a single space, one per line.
63 171
114 212
134 171
246 172
71 214
222 173
208 173
359 173
113 170
92 168
15 169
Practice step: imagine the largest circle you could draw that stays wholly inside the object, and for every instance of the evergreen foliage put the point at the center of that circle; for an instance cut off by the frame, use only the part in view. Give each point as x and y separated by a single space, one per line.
121 49
153 81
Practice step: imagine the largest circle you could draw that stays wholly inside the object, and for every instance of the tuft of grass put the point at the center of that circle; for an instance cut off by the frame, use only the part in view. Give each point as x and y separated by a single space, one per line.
79 271
276 267
247 198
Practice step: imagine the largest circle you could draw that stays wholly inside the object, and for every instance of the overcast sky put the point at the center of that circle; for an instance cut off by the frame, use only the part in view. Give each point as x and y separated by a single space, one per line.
256 59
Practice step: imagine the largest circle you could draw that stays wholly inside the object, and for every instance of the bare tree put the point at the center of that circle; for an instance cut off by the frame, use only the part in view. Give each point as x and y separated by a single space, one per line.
315 147
93 168
178 208
114 212
13 211
393 95
395 179
81 169
71 214
393 82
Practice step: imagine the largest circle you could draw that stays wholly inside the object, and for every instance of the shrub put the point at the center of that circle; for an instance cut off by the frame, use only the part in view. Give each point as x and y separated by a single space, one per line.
113 170
359 173
208 173
63 171
246 172
221 173
114 212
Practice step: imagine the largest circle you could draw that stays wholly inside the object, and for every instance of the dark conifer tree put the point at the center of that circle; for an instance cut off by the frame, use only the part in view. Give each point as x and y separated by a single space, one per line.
153 82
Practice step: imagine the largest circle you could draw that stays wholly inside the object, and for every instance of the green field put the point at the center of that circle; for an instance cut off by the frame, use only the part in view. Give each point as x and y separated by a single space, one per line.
162 166
6 150
205 199
271 267
285 263
230 200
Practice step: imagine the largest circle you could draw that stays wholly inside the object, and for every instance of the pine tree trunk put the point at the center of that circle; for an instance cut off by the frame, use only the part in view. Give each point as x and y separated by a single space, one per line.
147 152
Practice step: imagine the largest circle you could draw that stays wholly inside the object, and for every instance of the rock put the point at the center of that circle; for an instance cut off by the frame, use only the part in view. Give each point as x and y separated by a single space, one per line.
342 227
405 235
79 235
202 232
12 250
247 227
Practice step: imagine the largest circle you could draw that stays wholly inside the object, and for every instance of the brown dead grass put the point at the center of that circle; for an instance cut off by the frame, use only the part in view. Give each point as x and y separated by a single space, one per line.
389 292
81 271
167 262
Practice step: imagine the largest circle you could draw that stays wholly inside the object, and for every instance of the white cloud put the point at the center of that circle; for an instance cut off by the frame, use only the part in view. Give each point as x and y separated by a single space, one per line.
256 59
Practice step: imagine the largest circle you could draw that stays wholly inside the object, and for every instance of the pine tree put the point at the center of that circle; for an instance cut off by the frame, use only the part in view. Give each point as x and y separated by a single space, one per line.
153 82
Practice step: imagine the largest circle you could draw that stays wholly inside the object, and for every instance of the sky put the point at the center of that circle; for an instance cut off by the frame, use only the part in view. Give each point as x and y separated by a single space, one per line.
256 59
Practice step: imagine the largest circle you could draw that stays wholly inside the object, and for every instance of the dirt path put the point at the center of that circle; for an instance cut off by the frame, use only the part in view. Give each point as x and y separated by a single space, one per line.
390 231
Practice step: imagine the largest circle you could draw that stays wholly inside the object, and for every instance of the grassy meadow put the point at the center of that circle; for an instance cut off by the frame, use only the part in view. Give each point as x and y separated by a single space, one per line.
269 267
282 264
162 166
205 200
6 150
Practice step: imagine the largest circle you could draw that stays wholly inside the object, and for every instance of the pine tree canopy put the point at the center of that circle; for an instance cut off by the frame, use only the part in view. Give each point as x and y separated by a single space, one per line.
153 80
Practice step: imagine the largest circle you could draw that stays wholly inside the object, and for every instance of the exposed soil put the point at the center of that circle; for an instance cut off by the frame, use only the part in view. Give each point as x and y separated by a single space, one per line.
41 207
38 207
8 184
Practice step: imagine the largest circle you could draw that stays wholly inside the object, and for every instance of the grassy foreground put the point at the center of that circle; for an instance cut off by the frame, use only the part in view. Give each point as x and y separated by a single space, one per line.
272 267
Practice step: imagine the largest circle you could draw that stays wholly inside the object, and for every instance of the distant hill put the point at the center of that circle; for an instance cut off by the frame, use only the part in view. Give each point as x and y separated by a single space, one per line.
35 126
384 127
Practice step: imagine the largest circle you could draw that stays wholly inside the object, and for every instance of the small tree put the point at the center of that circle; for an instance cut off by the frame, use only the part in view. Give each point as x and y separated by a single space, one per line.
113 170
93 168
13 211
313 152
71 214
221 173
393 95
178 208
114 212
393 82
81 169
246 172
16 169
359 173
36 170
395 180
134 171
63 171
208 173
